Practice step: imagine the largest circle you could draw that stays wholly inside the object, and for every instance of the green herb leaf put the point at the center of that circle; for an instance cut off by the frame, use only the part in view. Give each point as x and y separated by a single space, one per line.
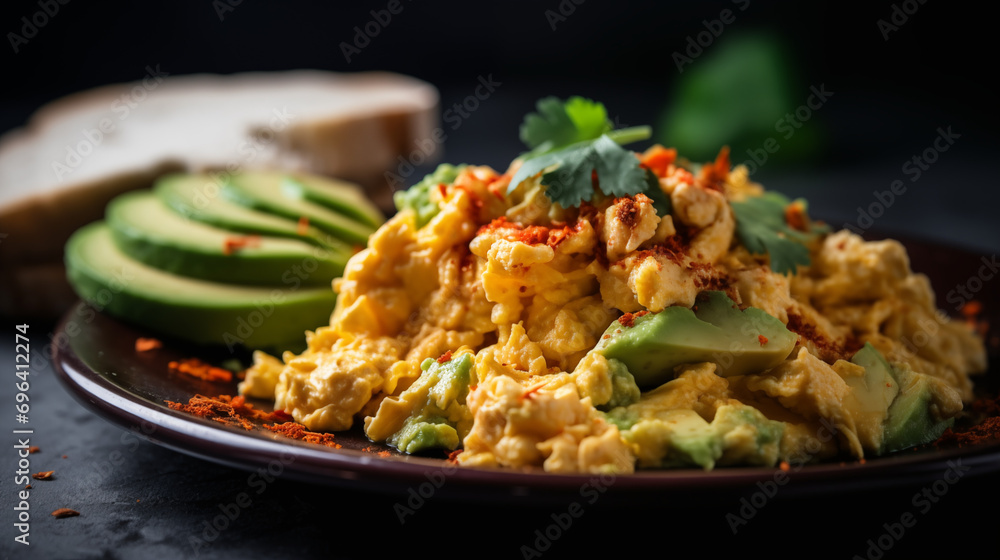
558 124
572 139
568 173
762 229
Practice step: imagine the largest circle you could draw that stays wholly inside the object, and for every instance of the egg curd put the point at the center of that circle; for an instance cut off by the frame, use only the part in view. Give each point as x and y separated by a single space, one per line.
573 339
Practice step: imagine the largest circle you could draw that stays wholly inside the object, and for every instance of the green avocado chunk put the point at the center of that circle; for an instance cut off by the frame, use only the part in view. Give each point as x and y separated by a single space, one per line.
873 392
265 191
440 418
623 417
149 231
189 309
624 391
911 420
430 432
749 437
894 404
738 435
198 197
717 331
418 197
675 438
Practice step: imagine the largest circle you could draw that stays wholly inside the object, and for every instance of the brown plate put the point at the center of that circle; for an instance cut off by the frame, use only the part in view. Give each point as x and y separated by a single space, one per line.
100 366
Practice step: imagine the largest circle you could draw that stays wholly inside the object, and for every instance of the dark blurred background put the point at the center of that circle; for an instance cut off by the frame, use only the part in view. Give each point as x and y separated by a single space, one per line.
894 73
886 88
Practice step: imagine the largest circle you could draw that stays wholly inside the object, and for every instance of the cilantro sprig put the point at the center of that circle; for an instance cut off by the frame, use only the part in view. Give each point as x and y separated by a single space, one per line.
575 149
559 124
762 228
569 173
572 143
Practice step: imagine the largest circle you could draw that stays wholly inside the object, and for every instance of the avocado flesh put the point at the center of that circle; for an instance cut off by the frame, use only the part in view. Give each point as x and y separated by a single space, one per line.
189 309
675 438
873 393
439 412
199 198
263 191
749 437
717 332
624 390
426 433
738 435
150 232
418 196
338 196
910 420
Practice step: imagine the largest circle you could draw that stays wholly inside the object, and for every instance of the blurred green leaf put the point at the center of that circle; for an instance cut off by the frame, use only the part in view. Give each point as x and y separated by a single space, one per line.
735 95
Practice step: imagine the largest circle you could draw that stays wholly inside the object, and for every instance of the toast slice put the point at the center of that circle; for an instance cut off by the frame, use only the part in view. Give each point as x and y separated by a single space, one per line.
75 154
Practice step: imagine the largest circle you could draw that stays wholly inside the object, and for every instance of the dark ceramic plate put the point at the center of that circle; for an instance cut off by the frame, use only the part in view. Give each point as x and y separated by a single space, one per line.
100 366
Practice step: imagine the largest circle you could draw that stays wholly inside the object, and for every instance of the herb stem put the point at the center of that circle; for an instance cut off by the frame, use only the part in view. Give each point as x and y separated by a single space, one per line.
628 135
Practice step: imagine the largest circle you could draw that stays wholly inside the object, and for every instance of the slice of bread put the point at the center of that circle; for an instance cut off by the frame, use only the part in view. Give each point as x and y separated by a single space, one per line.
76 153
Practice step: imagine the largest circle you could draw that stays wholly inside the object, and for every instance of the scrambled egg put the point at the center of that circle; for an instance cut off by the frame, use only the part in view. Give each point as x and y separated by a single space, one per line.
518 291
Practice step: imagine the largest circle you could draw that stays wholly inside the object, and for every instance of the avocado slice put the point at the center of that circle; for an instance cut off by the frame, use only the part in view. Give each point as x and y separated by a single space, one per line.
198 197
186 308
717 331
911 420
150 232
263 191
873 393
338 196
